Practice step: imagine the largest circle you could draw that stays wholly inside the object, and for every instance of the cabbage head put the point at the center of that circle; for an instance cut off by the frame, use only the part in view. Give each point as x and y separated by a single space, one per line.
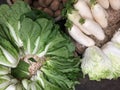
96 64
34 53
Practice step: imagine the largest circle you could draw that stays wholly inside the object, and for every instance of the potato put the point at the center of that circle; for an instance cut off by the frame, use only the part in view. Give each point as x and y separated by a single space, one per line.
48 2
55 5
48 11
57 13
35 4
42 3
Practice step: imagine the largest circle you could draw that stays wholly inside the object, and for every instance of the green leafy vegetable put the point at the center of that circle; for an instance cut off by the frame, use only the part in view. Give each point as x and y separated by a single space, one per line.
36 51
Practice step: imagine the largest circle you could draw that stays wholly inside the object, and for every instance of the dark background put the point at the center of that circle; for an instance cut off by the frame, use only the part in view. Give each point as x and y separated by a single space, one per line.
86 84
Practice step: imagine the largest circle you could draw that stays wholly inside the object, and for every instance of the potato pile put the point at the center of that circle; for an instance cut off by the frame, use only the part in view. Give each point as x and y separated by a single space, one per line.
51 7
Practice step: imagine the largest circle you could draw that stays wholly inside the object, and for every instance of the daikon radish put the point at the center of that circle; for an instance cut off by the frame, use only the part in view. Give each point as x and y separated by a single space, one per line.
78 36
75 17
116 37
104 3
83 9
94 28
99 14
115 4
87 1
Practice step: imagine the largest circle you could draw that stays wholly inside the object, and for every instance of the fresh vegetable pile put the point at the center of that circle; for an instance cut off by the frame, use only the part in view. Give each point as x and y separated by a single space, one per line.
51 7
34 53
103 63
87 21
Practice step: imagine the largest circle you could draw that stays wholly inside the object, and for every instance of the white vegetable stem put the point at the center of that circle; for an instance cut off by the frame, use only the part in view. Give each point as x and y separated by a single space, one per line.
76 34
83 9
75 17
112 50
115 4
116 37
94 28
99 14
104 3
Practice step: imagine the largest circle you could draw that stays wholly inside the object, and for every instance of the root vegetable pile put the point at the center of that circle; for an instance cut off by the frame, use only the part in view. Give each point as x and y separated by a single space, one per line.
51 7
95 19
94 26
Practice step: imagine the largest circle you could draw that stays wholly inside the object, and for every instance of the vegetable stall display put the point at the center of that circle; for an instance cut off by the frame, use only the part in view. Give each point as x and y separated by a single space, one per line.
34 53
103 63
92 18
51 7
94 26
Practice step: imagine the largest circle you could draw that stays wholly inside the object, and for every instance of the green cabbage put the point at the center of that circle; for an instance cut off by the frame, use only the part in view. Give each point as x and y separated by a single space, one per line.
24 32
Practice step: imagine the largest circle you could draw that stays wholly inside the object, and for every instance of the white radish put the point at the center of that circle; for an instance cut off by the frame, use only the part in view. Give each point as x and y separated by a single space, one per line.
116 37
115 4
78 36
94 28
104 3
87 1
83 9
99 14
75 17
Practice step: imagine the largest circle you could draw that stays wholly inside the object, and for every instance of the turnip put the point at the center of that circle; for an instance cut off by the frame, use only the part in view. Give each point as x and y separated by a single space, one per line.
83 9
104 3
99 14
115 4
76 34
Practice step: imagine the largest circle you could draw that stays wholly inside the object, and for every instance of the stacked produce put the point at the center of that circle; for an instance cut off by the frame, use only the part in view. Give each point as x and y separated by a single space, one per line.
103 63
34 53
91 22
51 7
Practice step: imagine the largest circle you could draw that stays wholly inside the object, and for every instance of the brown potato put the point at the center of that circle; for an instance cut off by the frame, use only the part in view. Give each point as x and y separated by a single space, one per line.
42 3
55 5
64 1
61 6
48 2
39 8
35 4
57 13
48 11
